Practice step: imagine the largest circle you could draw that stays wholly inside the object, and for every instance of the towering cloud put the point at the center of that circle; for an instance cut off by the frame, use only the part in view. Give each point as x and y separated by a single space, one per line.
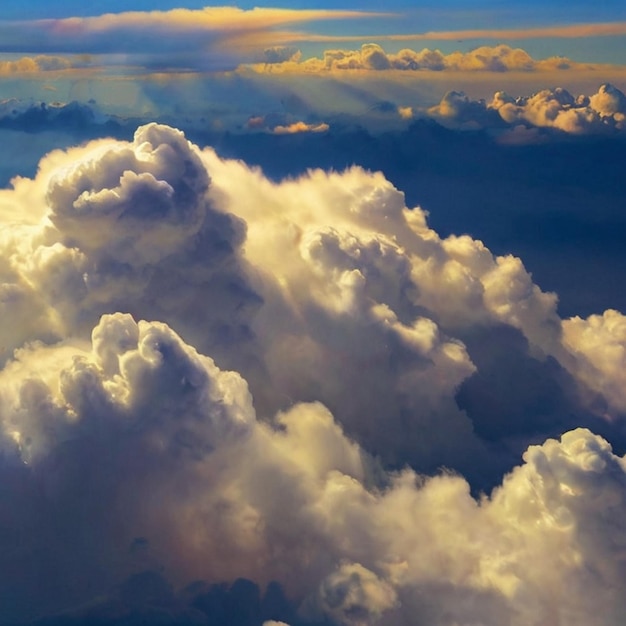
215 376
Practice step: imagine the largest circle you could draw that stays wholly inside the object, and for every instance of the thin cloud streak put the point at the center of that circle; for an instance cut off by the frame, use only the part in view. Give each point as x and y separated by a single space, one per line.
132 30
572 31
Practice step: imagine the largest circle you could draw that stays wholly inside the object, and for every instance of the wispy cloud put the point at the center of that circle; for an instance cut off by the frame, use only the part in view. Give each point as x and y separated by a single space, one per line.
570 31
190 33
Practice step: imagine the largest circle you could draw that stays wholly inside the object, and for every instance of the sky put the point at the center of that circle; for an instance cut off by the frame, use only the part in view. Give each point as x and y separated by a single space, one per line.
312 315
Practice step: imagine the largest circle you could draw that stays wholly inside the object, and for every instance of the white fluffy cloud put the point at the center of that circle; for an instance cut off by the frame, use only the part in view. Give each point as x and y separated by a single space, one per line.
338 330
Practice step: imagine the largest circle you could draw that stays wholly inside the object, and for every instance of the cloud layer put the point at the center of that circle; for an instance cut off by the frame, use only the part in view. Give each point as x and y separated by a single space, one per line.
603 112
223 34
215 376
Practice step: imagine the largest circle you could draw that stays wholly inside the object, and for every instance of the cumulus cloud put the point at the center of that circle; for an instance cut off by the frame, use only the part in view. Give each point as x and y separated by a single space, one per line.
281 54
216 376
556 108
216 494
371 56
353 595
599 342
101 245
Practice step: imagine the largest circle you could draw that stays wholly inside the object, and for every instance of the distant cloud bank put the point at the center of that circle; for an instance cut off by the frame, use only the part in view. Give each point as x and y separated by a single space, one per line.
604 111
371 56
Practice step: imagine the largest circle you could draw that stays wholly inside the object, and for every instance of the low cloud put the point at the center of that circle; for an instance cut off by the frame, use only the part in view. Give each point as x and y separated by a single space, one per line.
602 112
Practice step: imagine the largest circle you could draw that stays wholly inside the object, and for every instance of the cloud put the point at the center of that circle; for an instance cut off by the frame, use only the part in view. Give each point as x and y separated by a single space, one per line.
217 376
599 342
570 31
609 101
371 56
35 117
40 63
457 108
354 595
300 127
199 479
158 228
281 54
225 34
557 108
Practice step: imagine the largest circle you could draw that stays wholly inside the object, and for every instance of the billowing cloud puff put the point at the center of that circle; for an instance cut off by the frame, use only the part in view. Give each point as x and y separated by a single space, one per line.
599 342
315 348
353 595
609 101
132 373
301 285
122 221
457 107
280 54
140 423
559 109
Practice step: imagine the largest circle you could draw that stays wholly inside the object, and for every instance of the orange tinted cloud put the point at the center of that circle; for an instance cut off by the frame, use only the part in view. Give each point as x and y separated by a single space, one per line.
30 65
500 58
210 38
300 127
84 32
571 31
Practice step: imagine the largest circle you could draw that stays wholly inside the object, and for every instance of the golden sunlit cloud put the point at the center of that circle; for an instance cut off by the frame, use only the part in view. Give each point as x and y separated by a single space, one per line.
30 65
209 18
300 127
572 31
371 56
87 32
